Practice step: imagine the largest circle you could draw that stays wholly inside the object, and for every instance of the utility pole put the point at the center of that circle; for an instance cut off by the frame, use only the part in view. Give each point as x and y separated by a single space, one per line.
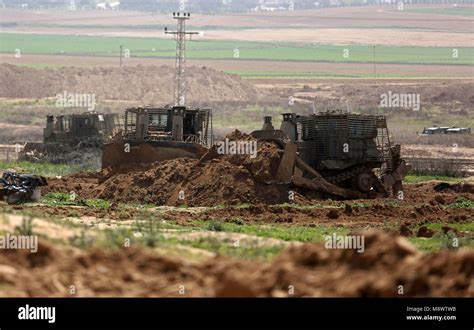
180 64
121 55
375 71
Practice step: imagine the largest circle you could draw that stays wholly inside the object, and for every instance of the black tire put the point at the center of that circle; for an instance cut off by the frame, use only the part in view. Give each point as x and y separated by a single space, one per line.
14 199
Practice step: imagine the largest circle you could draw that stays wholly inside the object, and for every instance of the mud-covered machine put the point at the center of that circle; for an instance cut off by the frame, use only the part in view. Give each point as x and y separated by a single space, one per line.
66 134
342 154
153 134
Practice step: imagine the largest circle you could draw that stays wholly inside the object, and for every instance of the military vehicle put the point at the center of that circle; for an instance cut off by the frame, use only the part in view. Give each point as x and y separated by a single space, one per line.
345 155
153 134
348 155
435 130
69 138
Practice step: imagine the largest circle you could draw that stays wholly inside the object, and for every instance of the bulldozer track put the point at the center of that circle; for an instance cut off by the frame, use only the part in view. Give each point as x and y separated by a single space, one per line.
346 175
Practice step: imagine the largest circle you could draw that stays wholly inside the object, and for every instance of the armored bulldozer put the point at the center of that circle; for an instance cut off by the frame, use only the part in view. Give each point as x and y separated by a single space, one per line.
67 139
152 134
342 154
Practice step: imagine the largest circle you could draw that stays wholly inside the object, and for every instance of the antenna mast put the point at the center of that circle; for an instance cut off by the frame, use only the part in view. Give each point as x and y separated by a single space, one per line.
180 64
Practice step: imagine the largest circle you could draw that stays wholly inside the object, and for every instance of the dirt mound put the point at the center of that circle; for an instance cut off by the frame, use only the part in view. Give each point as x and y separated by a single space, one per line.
220 179
436 192
137 83
387 263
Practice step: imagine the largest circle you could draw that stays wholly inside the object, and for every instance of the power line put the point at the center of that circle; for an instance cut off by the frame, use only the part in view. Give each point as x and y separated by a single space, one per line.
180 63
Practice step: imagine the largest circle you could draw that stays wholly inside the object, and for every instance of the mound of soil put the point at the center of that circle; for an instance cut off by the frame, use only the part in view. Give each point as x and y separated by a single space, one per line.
145 84
310 270
220 179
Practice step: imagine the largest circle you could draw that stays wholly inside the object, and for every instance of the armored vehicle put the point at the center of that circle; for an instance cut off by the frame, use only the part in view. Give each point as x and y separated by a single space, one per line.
339 153
65 136
152 134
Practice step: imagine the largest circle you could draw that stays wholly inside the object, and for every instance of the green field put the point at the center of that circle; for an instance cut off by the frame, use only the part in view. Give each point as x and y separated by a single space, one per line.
461 11
314 74
165 48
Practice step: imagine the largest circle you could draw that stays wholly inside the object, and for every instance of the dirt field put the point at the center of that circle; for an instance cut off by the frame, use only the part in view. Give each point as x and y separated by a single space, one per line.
189 269
416 208
350 36
291 68
309 270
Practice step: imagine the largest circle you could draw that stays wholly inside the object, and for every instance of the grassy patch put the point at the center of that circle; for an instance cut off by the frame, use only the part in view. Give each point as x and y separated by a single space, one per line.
97 203
57 199
441 242
465 227
244 252
130 206
448 241
151 237
65 199
457 11
424 178
462 203
300 206
43 169
26 227
291 233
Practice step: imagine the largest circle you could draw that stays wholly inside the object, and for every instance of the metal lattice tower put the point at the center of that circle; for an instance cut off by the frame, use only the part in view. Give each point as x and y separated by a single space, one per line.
180 64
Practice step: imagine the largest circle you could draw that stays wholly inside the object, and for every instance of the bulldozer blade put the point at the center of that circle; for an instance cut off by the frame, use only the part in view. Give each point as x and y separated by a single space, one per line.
277 136
135 152
287 163
304 167
397 175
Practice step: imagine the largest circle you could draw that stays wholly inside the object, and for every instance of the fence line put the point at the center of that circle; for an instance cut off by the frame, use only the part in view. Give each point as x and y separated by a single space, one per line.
9 152
441 166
